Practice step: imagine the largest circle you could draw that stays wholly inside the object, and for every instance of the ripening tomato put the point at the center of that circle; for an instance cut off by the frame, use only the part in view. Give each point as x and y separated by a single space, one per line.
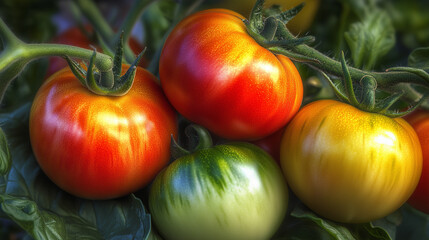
299 24
419 120
216 75
349 165
75 37
229 191
101 147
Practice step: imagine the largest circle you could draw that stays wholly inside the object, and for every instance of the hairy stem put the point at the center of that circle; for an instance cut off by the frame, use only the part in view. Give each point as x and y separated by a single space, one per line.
333 67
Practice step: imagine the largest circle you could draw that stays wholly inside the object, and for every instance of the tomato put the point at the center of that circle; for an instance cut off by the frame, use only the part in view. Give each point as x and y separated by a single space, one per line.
75 37
271 144
299 24
230 191
419 120
101 147
219 77
349 165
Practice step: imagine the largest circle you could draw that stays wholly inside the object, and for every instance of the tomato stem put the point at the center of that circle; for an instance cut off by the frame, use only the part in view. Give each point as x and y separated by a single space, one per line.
198 138
369 84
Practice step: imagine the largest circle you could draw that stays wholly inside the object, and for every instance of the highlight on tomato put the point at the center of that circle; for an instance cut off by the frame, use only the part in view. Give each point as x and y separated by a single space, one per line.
419 120
350 165
216 75
101 147
229 191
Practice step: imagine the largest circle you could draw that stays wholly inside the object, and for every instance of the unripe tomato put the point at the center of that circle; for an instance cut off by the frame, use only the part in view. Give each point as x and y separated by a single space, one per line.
349 165
101 147
419 120
216 75
231 191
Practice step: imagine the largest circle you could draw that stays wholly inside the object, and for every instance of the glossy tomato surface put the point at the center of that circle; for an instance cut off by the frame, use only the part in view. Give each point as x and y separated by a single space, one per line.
230 191
349 165
101 147
419 120
219 77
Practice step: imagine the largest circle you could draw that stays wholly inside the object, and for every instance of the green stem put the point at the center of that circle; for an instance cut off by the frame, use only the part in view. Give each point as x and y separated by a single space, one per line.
15 56
132 17
7 36
103 62
333 67
94 16
369 84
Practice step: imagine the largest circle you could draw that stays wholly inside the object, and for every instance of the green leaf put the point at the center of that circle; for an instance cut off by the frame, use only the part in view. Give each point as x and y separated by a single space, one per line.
5 158
334 229
414 226
382 229
37 205
371 38
419 58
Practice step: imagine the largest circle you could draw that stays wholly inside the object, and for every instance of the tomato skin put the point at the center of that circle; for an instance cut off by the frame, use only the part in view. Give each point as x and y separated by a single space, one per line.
349 165
75 37
419 120
271 144
101 147
230 191
219 77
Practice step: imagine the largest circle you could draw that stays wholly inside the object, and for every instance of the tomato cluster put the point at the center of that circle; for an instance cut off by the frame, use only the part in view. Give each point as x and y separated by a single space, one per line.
345 164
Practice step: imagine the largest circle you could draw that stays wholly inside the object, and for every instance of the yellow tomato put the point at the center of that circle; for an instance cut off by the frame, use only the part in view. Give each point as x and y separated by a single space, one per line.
349 165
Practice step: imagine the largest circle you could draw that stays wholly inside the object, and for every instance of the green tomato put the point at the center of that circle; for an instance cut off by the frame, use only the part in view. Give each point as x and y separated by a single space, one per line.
233 191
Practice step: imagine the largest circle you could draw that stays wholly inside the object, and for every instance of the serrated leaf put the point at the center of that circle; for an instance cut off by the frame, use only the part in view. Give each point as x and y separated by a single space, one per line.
371 38
419 58
46 212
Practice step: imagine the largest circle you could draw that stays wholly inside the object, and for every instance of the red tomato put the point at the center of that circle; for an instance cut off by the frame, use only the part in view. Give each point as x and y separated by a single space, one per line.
419 120
101 147
216 75
271 144
75 37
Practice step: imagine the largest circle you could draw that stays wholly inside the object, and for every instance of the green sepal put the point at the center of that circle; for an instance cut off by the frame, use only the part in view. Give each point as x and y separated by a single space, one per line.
5 156
396 114
287 15
77 70
117 60
270 28
384 105
256 23
340 94
91 82
369 85
348 82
